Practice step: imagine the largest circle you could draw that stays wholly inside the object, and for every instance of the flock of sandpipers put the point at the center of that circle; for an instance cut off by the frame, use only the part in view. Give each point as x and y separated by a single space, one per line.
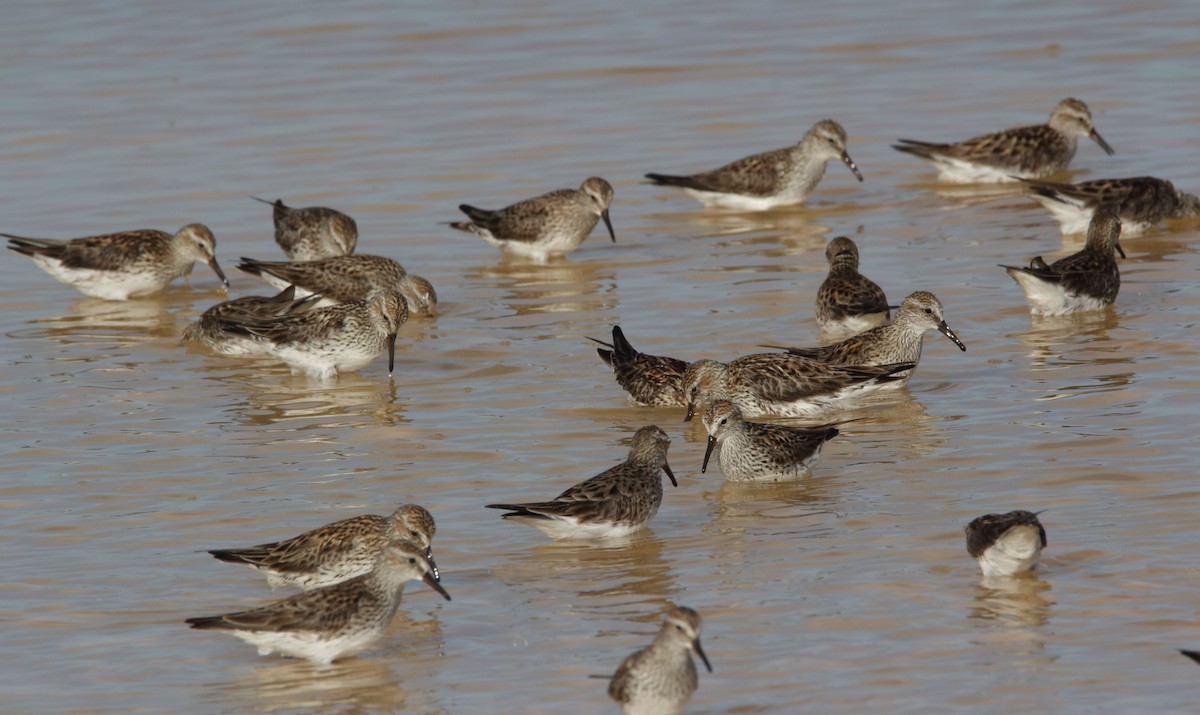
338 311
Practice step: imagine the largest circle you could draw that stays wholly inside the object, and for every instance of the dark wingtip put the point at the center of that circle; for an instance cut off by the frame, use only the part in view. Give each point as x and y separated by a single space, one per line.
1194 655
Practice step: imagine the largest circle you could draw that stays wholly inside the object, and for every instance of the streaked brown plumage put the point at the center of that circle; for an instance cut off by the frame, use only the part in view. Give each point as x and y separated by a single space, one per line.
338 551
756 450
781 177
345 278
782 385
312 232
847 300
615 503
660 678
1021 152
1142 202
1086 280
650 380
119 266
208 331
1006 544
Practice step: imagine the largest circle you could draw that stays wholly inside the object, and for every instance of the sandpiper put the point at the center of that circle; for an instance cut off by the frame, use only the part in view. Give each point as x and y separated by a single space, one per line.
1018 153
1142 202
1006 544
782 385
325 341
650 380
614 503
782 177
545 226
899 341
328 623
1087 280
345 278
313 232
752 451
120 266
660 678
207 330
848 301
338 551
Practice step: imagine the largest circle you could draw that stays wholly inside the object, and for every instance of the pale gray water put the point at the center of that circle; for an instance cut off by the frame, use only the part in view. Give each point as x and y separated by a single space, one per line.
127 455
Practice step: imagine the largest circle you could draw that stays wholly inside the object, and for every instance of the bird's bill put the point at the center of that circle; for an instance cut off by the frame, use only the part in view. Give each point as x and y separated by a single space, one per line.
1119 249
433 569
851 165
212 263
945 330
435 585
712 443
690 413
1095 136
391 352
700 652
670 475
608 225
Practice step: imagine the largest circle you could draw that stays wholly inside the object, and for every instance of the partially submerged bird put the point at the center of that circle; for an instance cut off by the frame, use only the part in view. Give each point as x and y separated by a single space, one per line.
848 301
208 330
120 266
338 551
1006 544
782 177
545 226
1142 202
750 451
650 380
1086 280
1020 153
612 504
332 622
312 232
325 341
345 278
783 385
660 678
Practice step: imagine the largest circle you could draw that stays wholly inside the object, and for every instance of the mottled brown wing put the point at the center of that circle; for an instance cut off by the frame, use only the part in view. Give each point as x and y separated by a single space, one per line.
112 251
322 610
1024 147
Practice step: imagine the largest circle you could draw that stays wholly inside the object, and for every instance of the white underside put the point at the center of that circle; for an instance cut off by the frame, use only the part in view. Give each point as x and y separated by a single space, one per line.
958 171
742 202
817 405
853 325
320 366
1017 551
301 292
793 471
571 529
549 246
320 649
654 705
108 285
1050 298
1074 217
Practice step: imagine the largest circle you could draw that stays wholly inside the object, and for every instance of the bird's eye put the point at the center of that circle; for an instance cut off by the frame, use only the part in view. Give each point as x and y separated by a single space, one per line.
929 311
724 420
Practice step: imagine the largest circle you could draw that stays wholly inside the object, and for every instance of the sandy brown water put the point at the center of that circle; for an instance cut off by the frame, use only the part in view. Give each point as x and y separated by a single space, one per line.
126 455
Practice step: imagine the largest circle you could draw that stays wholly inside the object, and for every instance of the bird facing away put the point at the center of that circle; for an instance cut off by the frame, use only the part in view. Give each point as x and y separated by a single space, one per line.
341 279
545 226
782 385
1019 153
848 301
325 341
1087 280
751 451
614 503
1142 202
338 551
1006 544
661 678
782 177
328 623
313 232
120 266
899 341
208 332
650 380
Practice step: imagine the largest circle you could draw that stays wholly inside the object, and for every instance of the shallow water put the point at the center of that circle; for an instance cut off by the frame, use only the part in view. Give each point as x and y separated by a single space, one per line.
127 455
